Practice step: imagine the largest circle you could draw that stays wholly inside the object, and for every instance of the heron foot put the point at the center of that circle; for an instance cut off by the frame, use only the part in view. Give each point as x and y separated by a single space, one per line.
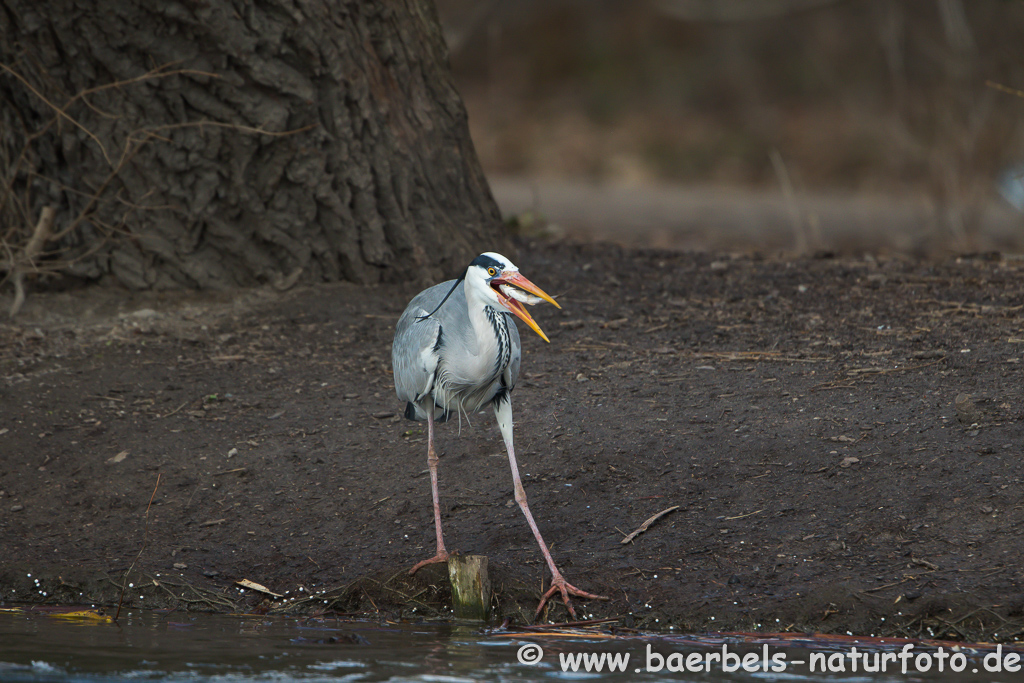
442 556
566 589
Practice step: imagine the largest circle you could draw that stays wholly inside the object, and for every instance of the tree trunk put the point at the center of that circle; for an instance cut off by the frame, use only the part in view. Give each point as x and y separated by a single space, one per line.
214 143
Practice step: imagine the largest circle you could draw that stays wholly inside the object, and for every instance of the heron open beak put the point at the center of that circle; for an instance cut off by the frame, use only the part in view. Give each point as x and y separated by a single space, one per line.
516 280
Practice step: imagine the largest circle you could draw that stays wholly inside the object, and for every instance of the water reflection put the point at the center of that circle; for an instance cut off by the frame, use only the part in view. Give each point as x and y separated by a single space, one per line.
147 646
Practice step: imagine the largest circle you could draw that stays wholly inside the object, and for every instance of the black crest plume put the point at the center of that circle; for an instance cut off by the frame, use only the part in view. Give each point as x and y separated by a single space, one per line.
458 282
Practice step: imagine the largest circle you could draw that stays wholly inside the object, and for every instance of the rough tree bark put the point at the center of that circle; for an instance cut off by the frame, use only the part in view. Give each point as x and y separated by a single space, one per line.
214 143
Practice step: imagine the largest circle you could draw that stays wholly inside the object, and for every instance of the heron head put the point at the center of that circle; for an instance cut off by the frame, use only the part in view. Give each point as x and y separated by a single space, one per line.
500 284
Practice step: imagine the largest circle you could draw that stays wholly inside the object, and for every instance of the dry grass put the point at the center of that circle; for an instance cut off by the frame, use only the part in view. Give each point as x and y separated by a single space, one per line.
40 250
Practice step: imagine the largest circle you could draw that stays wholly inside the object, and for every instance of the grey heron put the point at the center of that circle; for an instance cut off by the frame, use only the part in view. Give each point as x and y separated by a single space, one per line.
457 351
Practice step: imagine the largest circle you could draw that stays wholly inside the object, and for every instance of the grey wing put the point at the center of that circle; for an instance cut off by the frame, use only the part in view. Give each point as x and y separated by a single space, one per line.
414 352
413 355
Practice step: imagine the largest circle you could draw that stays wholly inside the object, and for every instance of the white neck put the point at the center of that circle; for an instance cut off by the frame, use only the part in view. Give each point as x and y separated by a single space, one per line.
483 332
465 384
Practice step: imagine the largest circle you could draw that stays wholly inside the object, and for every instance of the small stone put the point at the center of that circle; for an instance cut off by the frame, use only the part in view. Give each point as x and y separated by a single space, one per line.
233 452
967 412
17 508
580 377
180 565
848 461
144 313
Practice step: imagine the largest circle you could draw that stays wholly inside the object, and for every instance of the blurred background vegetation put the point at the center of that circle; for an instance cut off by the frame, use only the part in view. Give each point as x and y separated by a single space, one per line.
885 96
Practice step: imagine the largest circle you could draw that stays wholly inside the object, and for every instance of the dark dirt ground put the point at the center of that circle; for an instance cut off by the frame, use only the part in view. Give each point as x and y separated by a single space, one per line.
802 413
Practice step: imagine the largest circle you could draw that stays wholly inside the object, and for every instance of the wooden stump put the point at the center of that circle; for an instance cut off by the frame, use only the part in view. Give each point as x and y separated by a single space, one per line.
471 587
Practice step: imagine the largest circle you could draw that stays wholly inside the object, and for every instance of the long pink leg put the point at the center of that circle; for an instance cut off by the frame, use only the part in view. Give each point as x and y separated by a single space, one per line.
503 411
442 554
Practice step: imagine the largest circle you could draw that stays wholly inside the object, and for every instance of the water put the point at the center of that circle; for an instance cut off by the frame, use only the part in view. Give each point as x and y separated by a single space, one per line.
147 646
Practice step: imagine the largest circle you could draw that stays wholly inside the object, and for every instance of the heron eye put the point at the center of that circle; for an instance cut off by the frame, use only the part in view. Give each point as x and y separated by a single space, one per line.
492 272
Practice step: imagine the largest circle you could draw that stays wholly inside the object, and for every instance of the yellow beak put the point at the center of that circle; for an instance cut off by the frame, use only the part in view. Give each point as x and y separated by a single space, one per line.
515 279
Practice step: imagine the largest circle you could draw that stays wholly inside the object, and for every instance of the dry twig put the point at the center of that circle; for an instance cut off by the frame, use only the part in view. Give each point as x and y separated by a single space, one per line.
650 520
20 252
26 260
145 540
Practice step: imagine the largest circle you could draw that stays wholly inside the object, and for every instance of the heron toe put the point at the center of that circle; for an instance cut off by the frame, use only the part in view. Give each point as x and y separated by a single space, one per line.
566 589
440 557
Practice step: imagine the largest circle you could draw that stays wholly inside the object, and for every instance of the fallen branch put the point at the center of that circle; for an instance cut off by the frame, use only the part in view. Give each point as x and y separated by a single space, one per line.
777 356
885 371
924 563
145 540
260 588
223 472
212 600
1003 88
17 259
650 520
748 514
26 261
